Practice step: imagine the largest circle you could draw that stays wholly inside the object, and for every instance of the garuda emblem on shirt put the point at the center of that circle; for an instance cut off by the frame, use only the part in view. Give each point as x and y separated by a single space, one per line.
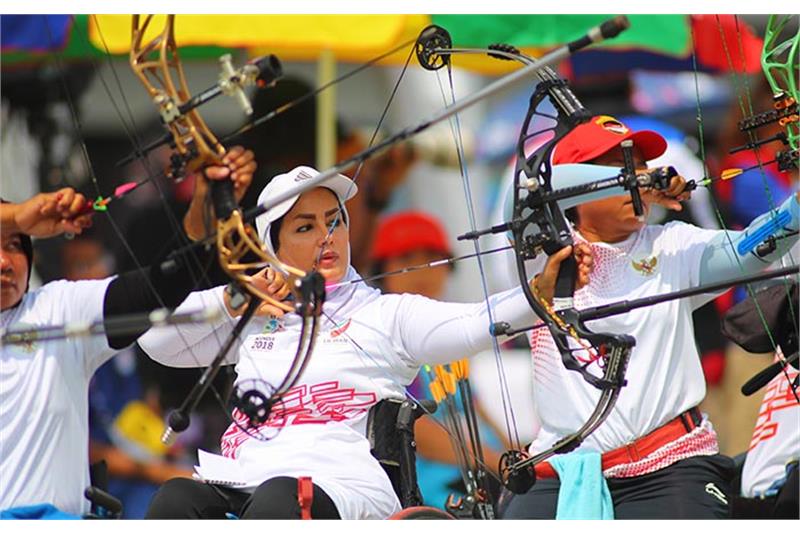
645 267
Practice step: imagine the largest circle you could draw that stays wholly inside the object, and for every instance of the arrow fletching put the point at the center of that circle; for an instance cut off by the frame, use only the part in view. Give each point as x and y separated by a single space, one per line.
727 174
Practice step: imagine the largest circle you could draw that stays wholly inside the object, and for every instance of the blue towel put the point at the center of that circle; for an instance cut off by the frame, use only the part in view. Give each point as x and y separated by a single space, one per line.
584 493
36 511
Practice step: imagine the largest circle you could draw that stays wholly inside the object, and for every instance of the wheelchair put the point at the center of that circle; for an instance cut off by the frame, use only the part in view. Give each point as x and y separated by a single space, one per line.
390 431
104 505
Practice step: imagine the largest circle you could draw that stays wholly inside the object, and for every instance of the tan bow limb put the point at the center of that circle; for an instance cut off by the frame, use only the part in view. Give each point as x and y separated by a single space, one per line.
157 64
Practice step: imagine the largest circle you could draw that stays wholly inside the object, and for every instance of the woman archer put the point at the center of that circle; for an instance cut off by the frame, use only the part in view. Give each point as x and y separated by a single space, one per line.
369 347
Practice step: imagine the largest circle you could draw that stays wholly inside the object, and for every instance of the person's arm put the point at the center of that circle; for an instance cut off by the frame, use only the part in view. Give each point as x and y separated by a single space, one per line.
192 344
166 284
720 260
46 214
434 332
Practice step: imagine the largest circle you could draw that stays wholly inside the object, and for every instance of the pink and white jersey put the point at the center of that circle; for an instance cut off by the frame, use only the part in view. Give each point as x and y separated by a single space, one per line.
776 438
369 347
664 374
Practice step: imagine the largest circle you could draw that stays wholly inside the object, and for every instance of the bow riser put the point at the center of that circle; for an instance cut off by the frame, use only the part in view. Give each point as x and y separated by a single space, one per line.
192 139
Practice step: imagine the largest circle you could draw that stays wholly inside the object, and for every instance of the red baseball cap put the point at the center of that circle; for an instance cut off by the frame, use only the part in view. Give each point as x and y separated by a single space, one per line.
401 233
600 134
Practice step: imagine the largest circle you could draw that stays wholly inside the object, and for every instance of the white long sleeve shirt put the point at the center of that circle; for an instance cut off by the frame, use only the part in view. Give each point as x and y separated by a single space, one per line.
44 398
368 349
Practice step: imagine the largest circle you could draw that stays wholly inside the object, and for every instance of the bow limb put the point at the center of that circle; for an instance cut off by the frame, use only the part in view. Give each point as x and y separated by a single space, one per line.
156 62
195 146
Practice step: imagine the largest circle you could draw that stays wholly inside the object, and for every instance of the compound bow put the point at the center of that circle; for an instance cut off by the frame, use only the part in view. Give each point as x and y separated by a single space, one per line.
156 63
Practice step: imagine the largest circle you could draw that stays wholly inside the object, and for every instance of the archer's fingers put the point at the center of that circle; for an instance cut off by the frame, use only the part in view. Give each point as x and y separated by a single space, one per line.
248 167
65 197
583 277
243 176
232 154
282 292
276 286
69 226
676 186
82 221
269 309
584 257
239 157
216 173
77 205
48 204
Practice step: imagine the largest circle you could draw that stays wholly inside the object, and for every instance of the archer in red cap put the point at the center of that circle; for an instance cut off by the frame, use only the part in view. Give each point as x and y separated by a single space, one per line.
597 142
407 239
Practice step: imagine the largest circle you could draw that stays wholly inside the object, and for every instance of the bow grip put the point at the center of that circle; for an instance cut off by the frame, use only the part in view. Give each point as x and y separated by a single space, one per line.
565 283
223 199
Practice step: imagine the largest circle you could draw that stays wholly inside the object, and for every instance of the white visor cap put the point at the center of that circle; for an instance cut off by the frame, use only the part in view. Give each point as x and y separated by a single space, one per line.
342 186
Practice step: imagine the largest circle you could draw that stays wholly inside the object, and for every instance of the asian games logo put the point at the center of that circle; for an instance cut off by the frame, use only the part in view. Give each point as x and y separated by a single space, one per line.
272 325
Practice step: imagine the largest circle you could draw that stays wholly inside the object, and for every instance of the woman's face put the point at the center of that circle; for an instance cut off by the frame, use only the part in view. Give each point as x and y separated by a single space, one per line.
303 240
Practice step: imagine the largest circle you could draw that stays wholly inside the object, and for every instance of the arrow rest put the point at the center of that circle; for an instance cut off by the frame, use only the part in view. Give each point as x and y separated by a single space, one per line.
430 41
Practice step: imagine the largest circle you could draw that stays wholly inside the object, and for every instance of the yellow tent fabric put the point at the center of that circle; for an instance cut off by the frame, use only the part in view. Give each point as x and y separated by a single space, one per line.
351 38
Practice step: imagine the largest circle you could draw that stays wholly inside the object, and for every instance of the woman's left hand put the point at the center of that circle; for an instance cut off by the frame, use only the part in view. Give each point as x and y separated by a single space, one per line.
238 165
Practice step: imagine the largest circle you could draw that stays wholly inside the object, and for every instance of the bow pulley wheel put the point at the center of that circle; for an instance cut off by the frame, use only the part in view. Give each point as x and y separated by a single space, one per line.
431 41
252 399
517 480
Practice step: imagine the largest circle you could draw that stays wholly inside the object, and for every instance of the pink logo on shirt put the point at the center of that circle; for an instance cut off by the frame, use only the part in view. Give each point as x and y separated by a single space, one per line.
316 404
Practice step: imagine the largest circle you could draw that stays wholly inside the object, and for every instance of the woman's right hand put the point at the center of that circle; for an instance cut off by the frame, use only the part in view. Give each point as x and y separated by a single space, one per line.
268 281
50 214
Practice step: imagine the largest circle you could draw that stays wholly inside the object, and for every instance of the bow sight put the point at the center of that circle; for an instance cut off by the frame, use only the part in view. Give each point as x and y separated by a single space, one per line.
779 59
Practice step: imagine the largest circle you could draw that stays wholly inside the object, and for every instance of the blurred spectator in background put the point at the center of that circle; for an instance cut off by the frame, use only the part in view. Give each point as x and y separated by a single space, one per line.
408 239
125 422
